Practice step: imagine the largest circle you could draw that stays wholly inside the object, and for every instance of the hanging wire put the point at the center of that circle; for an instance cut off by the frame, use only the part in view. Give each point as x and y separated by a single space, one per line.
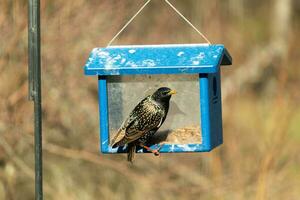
140 10
187 21
131 19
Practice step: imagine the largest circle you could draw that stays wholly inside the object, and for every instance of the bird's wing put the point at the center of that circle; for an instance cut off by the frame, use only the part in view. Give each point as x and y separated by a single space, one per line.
143 124
124 125
132 117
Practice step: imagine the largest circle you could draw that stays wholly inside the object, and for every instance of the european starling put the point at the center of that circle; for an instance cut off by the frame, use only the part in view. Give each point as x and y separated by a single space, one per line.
143 122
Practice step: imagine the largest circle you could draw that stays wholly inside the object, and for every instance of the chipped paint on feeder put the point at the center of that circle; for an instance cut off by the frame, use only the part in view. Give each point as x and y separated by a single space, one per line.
180 53
132 51
202 60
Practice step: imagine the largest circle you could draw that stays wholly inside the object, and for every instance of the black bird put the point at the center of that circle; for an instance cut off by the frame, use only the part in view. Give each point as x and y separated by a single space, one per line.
143 122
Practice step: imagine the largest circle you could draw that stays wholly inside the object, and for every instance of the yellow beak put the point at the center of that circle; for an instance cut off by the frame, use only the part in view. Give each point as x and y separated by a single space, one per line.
172 92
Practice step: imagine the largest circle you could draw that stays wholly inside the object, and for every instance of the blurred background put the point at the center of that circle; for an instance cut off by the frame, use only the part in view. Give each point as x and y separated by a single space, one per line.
261 114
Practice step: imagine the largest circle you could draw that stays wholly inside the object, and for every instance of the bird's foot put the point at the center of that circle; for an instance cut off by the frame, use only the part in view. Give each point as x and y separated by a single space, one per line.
154 151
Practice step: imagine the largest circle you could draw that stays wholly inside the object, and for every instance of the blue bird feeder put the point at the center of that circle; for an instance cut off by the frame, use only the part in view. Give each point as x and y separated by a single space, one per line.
192 68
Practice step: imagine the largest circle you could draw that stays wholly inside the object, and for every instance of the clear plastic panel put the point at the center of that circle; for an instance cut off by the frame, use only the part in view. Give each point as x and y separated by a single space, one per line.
182 125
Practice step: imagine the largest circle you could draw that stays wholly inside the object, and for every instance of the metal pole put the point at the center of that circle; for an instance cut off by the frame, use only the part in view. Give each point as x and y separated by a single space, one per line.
34 76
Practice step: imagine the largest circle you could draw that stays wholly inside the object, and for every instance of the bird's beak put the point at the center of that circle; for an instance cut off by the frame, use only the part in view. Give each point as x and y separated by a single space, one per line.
172 92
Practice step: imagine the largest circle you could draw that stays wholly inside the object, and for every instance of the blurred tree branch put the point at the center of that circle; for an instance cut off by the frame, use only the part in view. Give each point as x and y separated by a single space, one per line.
89 157
19 162
28 171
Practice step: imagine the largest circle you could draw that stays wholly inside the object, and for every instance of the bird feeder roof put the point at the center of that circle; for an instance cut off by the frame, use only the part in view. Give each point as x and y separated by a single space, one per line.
157 59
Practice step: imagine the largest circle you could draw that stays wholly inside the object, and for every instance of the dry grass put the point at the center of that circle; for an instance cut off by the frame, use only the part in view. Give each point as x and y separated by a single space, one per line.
260 155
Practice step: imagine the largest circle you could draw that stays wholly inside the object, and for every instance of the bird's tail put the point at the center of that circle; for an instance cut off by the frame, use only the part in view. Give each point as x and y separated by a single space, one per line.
117 135
131 152
122 142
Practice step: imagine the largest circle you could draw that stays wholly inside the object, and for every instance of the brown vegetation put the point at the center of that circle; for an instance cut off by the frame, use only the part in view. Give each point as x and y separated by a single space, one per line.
260 155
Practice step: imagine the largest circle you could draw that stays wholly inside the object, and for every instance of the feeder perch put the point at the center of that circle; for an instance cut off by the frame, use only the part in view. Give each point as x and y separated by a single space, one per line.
127 73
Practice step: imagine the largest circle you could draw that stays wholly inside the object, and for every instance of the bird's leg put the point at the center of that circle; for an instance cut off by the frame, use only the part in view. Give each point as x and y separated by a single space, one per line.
154 151
157 150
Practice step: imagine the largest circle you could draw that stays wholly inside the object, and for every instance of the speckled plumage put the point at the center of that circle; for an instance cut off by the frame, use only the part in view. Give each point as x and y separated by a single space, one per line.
145 119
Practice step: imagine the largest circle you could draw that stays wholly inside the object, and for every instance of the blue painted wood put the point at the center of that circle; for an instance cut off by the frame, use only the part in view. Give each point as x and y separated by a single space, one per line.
166 148
165 59
103 110
156 59
215 109
204 109
209 140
